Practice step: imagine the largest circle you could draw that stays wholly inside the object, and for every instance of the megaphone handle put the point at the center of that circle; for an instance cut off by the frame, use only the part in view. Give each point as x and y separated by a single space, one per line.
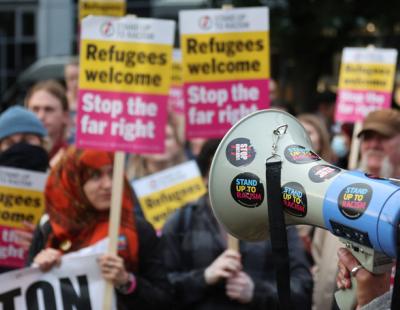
346 299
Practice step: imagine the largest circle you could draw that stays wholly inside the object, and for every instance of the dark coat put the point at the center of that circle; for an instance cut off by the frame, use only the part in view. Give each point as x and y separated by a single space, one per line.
194 240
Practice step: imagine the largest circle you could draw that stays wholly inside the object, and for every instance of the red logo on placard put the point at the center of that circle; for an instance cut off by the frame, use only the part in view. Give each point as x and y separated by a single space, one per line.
107 29
205 22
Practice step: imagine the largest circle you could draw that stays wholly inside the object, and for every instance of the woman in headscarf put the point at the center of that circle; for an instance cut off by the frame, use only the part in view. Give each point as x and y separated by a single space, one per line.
78 197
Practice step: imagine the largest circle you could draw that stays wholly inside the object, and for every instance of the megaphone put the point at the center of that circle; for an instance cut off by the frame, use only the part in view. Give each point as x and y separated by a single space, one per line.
360 209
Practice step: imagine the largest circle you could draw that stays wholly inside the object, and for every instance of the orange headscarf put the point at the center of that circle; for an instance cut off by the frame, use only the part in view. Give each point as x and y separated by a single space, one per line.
72 217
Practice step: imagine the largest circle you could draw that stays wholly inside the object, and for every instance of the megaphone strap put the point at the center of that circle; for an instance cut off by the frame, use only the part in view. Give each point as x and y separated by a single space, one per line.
279 244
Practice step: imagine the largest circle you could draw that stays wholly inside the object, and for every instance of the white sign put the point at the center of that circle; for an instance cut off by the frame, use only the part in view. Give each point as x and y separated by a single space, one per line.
76 284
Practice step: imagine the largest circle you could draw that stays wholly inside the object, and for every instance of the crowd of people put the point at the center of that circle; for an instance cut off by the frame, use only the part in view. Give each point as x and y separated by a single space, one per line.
189 265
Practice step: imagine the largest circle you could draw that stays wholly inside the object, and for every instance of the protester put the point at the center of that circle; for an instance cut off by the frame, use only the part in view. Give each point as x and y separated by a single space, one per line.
325 106
372 292
142 165
318 134
206 275
193 146
48 101
78 194
380 131
22 146
71 77
341 144
380 139
22 140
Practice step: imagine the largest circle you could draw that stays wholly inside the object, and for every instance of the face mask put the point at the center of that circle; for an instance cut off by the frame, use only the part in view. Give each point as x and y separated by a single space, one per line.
339 146
25 156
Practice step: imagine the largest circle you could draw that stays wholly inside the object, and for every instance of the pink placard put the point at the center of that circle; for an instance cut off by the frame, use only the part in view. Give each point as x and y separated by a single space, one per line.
354 105
121 121
211 108
11 254
175 99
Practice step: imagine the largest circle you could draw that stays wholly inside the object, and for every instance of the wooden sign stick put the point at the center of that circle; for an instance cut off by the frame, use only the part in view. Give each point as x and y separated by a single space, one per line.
115 218
232 242
355 147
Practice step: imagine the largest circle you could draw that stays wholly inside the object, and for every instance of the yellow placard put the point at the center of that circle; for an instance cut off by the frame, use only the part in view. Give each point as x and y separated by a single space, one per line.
159 205
20 205
125 66
225 56
359 76
176 77
102 8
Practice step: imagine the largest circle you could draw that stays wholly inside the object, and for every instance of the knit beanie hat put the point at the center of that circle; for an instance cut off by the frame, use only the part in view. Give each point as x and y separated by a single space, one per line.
17 119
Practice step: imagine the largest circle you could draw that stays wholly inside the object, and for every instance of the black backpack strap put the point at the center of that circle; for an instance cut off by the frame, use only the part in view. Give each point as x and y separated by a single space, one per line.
277 228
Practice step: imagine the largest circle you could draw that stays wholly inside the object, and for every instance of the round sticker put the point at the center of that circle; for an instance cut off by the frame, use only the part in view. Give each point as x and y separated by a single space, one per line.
354 200
294 199
247 190
240 152
320 173
298 154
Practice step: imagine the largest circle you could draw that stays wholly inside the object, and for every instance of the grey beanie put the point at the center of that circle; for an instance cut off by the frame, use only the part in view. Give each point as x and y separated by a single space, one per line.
20 120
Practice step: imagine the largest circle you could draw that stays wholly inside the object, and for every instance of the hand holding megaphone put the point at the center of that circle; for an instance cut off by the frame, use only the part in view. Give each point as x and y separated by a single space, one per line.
370 286
361 210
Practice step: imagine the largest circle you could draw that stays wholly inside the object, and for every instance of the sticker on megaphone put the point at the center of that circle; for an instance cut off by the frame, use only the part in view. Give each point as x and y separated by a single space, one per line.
349 204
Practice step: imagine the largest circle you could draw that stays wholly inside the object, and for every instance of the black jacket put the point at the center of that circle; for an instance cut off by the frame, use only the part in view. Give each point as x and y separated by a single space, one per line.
193 242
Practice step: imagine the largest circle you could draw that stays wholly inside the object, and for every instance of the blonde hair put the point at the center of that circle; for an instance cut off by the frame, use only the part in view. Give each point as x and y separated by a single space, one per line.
52 87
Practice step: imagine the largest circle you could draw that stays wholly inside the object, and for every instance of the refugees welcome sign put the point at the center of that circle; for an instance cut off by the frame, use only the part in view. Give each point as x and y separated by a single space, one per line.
124 81
21 200
225 67
365 82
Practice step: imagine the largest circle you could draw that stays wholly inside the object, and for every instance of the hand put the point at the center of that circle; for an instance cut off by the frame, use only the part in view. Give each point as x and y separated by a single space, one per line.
24 237
240 287
47 259
224 266
113 269
369 285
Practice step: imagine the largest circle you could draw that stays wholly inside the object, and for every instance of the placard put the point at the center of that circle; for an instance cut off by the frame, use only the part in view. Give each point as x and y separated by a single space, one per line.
162 193
75 284
102 7
124 81
225 67
21 200
365 82
175 100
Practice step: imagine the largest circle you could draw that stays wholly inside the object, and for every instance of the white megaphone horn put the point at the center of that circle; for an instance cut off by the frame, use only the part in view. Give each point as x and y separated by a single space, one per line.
362 210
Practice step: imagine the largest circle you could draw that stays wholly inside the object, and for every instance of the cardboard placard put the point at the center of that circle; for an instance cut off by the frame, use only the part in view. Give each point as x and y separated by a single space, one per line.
365 82
162 193
124 81
21 200
226 67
